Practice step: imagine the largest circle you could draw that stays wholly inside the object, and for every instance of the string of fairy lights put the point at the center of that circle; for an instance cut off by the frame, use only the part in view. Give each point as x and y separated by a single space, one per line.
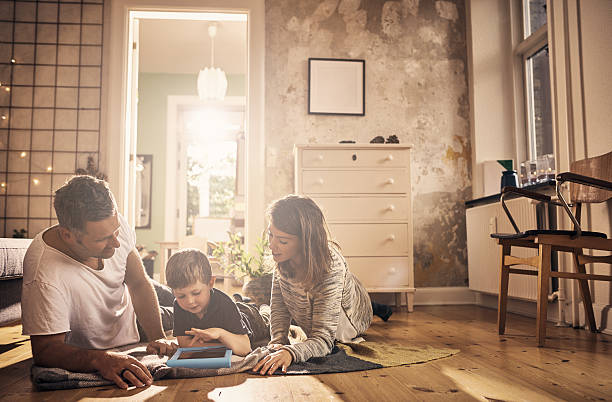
22 154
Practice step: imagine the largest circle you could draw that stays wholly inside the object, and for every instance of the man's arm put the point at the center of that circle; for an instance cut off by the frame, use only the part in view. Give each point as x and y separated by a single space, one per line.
143 297
123 370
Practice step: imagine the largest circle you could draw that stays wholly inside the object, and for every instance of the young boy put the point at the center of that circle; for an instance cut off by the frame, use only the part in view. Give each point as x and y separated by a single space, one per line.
203 314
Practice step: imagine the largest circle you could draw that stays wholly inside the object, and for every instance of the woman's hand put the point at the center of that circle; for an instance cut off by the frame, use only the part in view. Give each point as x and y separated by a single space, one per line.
281 359
162 347
204 335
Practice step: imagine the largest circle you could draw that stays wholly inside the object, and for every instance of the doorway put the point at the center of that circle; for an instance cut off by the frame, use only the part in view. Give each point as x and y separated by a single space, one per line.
120 141
195 139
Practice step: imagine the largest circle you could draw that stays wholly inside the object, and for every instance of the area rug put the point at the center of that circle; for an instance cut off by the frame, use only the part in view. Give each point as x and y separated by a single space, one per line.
344 358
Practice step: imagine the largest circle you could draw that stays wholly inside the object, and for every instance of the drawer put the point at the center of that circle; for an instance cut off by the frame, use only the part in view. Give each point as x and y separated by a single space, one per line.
354 158
371 240
364 208
355 181
381 272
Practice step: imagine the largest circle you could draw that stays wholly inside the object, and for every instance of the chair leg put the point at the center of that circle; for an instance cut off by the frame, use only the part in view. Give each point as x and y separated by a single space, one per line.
585 292
502 298
543 278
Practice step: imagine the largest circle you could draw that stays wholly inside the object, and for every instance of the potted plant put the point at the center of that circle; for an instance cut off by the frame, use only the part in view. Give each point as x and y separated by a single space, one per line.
254 269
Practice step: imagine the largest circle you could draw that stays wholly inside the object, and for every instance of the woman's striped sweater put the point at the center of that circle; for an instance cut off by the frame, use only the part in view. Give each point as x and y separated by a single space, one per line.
318 310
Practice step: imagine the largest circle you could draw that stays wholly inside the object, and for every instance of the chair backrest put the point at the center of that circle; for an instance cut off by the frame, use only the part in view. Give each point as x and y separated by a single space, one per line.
599 167
197 242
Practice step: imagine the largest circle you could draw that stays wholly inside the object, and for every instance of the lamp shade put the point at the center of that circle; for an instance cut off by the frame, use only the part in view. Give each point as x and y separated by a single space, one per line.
212 84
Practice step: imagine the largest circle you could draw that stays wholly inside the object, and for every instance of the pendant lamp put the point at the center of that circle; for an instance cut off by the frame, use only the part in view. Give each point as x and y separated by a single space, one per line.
212 82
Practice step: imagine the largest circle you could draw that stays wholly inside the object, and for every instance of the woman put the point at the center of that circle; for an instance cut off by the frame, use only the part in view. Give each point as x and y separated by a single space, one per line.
312 286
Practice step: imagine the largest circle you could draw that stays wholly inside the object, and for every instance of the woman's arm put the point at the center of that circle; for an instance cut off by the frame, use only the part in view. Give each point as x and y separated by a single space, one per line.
280 318
326 310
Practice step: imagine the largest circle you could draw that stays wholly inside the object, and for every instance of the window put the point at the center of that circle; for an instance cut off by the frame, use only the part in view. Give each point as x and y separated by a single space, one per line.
211 141
539 119
536 76
534 16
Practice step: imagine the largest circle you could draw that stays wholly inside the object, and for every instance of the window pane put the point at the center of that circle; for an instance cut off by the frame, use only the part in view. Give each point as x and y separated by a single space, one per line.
534 12
538 104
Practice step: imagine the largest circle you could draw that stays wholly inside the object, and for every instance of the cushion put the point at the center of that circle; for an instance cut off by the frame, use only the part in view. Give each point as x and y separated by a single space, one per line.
12 252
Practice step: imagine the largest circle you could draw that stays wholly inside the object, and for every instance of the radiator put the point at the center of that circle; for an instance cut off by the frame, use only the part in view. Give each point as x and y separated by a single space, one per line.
484 252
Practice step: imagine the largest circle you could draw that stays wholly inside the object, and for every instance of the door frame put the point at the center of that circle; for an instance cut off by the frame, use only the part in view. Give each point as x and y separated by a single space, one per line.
115 141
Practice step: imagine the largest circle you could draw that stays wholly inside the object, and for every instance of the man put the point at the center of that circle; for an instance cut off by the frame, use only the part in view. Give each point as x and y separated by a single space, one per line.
84 284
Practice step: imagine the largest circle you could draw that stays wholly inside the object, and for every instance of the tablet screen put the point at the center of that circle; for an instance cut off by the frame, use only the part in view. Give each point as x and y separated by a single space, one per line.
203 354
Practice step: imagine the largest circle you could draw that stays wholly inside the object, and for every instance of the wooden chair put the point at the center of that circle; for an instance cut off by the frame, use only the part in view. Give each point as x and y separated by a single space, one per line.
590 182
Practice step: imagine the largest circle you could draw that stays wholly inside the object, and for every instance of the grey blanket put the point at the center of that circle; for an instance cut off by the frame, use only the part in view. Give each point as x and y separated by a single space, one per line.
45 378
343 358
336 362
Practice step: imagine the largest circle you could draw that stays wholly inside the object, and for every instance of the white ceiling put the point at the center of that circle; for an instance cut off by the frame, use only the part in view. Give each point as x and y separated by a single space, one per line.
183 46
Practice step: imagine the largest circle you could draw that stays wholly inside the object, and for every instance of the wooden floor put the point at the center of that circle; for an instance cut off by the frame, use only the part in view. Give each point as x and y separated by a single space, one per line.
575 365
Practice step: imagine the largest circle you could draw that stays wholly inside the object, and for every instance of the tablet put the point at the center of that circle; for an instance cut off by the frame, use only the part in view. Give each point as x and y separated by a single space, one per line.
202 357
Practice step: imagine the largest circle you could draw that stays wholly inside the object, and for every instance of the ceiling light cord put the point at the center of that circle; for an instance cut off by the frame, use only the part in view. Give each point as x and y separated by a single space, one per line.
212 32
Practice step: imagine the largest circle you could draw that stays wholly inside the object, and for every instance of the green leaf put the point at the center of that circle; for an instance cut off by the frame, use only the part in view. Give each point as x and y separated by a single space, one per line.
506 163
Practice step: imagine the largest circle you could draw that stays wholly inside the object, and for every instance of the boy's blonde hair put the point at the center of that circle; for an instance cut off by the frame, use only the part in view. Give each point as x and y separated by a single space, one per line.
300 216
186 267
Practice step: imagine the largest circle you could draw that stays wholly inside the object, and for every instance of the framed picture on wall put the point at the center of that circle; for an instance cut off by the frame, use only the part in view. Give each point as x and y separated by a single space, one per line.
336 86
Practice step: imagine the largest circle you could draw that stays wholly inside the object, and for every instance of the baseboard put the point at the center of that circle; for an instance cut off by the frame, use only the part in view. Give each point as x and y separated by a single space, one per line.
525 308
444 295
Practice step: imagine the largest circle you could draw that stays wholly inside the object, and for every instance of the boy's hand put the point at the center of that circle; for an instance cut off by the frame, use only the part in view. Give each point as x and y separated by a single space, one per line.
204 335
162 347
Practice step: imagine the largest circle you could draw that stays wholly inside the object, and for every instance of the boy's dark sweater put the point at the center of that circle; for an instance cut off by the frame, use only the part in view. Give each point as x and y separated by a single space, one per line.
221 312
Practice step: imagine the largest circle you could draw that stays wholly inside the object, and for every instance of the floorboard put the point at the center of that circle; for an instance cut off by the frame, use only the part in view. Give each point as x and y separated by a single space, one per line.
575 365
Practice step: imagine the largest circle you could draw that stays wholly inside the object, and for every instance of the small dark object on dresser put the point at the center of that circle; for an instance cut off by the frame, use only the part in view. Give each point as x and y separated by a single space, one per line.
379 139
392 139
346 142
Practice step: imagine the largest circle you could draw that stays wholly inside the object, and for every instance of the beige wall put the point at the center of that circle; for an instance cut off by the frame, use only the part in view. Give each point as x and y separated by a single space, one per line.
416 88
596 31
490 72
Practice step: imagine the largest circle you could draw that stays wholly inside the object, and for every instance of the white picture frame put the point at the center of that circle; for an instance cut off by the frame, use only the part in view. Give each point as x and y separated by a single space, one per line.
336 86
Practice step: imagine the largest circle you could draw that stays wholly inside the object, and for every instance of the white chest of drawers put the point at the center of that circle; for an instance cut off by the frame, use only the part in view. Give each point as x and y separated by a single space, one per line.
364 192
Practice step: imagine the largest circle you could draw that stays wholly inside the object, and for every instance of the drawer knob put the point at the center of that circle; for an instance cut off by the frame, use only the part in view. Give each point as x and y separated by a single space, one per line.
391 237
354 157
391 207
392 270
389 157
389 181
320 181
319 157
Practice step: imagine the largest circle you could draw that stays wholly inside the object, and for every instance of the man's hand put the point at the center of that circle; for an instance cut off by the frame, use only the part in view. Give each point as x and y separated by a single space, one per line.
204 335
281 359
123 370
162 347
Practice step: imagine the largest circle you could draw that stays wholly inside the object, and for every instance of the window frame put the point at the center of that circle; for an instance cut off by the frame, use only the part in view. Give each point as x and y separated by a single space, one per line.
524 48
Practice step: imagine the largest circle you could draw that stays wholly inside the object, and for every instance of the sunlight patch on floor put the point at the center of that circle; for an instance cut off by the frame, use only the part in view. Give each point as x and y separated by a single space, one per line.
300 387
141 395
14 347
487 388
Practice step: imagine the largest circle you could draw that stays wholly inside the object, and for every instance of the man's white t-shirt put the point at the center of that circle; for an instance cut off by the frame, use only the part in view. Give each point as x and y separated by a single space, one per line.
62 295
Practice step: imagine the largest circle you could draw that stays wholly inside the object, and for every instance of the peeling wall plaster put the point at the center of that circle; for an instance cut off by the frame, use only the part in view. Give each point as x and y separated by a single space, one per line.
416 88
